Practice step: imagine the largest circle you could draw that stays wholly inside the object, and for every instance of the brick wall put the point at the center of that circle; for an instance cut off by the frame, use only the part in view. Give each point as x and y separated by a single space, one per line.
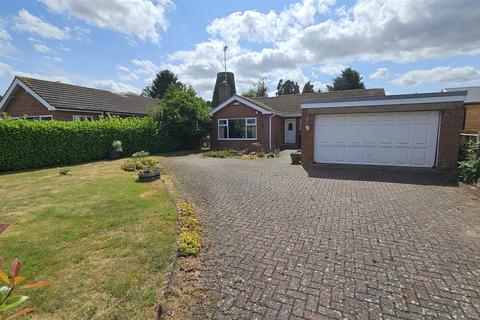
472 118
449 139
239 110
451 123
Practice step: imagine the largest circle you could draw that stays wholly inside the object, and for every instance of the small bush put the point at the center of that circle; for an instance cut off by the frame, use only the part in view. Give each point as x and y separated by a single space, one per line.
189 243
277 153
220 153
270 155
117 146
65 171
133 164
469 170
190 223
261 154
187 209
141 154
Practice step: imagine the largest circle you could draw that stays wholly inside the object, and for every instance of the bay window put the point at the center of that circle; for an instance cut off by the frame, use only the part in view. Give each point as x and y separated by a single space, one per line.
237 129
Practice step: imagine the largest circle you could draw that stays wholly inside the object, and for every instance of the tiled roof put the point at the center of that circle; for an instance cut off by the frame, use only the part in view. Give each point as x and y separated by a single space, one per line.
291 104
67 96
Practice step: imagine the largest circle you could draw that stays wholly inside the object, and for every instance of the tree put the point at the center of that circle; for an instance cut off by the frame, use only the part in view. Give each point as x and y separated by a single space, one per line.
350 79
258 89
287 87
160 84
183 116
308 88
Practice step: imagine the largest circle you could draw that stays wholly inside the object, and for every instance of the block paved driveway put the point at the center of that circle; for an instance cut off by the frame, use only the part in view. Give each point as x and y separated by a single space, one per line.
333 242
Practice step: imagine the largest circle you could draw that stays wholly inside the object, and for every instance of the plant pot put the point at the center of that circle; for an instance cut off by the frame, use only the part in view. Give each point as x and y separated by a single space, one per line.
149 174
114 155
296 157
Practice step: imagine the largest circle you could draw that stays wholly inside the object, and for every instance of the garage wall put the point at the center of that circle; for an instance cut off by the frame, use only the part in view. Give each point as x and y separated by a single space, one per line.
451 122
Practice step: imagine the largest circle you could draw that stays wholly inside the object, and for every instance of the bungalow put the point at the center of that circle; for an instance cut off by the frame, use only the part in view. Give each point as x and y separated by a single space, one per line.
265 123
35 99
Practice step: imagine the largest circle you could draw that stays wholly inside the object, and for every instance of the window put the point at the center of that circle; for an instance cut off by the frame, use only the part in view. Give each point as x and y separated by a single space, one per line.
290 126
237 129
32 118
82 118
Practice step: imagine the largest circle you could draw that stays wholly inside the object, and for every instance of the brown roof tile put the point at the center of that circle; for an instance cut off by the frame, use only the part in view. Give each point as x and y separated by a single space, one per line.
291 104
67 96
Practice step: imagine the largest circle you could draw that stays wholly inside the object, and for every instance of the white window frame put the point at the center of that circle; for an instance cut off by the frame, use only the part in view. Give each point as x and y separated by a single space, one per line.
79 117
41 117
246 125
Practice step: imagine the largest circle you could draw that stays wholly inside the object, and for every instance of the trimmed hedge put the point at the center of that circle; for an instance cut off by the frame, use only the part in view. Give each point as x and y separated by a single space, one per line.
34 144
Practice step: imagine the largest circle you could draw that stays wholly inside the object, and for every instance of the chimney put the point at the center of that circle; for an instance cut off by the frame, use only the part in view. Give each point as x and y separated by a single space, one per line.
224 88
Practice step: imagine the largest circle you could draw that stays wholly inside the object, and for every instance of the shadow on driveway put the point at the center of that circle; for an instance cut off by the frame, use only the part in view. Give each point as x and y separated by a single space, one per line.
419 176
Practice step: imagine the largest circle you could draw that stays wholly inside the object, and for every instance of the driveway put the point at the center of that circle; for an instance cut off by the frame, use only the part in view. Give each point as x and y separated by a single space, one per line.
287 242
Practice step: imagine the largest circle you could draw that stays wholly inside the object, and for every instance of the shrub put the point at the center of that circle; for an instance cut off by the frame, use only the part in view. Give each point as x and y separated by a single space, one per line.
133 164
220 153
117 146
65 171
469 170
189 243
261 154
141 154
469 150
184 117
187 209
190 223
34 144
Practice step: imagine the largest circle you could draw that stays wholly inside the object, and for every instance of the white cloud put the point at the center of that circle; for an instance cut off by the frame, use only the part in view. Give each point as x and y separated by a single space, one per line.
136 18
5 69
41 48
439 74
125 74
25 21
5 44
145 67
273 26
111 85
54 59
380 73
332 69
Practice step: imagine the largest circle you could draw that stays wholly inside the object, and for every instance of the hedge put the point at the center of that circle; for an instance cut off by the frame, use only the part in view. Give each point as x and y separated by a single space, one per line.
34 144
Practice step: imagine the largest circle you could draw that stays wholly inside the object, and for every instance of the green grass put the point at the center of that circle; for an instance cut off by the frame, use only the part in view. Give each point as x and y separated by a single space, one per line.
104 240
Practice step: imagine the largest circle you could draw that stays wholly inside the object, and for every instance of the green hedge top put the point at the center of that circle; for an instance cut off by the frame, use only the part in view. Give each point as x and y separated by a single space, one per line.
33 144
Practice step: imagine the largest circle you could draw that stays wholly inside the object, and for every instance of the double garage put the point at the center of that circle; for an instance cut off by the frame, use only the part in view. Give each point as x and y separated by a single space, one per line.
420 130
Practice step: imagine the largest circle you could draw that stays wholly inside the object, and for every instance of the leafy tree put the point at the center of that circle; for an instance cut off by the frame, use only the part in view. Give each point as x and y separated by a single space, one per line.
183 117
258 89
160 84
350 79
287 87
308 88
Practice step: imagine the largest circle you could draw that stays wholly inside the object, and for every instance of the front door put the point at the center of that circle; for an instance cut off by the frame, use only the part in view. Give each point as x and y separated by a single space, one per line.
290 131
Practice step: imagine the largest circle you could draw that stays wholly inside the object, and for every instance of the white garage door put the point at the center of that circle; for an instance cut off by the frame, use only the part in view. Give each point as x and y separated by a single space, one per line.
392 139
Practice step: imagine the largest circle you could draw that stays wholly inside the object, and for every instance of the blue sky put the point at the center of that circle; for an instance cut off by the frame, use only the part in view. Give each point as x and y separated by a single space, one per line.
401 45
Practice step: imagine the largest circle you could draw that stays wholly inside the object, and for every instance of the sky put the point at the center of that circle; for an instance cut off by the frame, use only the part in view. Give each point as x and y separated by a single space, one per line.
404 46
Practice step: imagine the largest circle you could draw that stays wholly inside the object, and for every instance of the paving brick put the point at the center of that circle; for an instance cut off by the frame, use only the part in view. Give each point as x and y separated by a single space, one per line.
323 242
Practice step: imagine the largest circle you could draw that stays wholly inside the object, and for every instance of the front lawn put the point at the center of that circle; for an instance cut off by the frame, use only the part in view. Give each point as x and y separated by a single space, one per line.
104 240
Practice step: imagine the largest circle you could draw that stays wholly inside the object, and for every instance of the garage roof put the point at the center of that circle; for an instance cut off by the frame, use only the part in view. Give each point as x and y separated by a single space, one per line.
417 98
473 95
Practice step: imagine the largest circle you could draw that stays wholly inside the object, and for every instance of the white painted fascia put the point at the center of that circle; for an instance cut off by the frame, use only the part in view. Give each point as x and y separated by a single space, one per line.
18 82
244 101
381 102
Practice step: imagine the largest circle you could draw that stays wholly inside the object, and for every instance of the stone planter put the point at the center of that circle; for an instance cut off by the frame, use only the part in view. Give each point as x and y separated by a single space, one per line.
296 157
149 174
114 155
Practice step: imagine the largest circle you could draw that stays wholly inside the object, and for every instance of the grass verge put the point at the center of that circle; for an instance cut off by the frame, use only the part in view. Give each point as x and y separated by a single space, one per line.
104 240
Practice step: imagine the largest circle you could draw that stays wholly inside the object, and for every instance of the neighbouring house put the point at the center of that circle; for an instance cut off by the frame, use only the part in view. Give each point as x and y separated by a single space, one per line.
471 122
412 130
35 99
265 123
